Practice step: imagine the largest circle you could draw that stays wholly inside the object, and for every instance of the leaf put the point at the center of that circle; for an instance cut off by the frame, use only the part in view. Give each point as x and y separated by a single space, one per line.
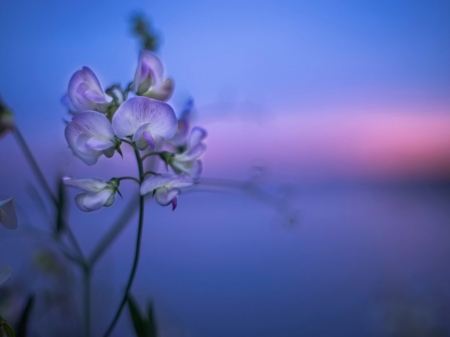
8 329
138 322
61 210
24 318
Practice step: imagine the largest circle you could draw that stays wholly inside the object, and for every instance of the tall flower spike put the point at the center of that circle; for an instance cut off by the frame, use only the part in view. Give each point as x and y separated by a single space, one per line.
86 93
5 274
98 193
90 135
144 120
188 161
149 79
165 187
8 217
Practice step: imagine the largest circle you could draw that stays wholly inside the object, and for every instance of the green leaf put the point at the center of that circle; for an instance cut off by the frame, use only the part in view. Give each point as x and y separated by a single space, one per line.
24 318
8 329
61 210
138 322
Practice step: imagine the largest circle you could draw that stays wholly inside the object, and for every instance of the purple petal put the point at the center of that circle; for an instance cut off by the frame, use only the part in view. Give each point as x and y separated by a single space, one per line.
164 196
162 93
150 72
85 91
93 201
197 136
137 111
88 185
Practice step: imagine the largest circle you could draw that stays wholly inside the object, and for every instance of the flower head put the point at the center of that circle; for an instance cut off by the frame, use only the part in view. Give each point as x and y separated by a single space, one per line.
8 217
6 119
165 188
144 120
86 93
5 274
149 79
188 161
90 135
98 193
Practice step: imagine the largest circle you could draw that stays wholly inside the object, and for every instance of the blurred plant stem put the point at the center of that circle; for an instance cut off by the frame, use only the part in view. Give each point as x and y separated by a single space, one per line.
40 176
137 250
87 300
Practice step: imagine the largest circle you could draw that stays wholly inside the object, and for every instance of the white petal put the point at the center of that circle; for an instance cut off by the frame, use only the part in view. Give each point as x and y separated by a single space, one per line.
8 216
89 127
197 136
181 181
5 274
88 185
93 201
143 137
137 111
192 167
110 200
163 92
152 182
150 72
164 196
85 91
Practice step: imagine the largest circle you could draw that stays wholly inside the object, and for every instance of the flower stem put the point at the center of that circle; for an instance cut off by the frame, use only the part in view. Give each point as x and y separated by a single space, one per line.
137 250
40 176
87 300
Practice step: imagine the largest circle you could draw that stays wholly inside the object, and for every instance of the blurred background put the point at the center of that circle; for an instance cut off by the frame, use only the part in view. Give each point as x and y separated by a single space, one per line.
345 105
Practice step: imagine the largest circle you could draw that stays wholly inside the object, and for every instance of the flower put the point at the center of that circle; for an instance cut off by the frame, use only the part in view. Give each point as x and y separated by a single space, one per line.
165 187
6 119
86 93
99 193
90 135
188 161
144 119
5 274
149 79
8 217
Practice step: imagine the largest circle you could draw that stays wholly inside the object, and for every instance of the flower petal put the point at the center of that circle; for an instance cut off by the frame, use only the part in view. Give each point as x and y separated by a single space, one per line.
88 185
150 72
140 110
85 91
197 136
153 181
8 216
181 181
5 274
164 196
163 92
93 201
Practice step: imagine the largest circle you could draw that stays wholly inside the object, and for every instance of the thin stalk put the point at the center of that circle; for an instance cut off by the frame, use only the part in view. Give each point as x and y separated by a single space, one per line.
87 301
137 251
40 176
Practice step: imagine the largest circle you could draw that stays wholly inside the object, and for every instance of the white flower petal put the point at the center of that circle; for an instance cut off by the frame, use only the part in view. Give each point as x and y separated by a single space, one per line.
5 274
164 196
192 167
85 91
93 201
197 136
150 72
137 111
163 92
8 216
152 182
88 185
181 181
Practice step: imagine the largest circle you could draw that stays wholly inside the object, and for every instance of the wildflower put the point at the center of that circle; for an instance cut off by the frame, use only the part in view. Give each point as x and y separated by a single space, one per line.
145 120
5 274
6 119
98 193
86 93
165 188
90 135
8 217
149 79
188 161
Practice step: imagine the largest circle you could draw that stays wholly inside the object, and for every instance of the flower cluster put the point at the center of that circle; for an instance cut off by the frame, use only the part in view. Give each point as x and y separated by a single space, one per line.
104 120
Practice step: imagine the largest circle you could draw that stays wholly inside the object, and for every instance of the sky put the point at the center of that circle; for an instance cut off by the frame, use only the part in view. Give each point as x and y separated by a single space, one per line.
312 65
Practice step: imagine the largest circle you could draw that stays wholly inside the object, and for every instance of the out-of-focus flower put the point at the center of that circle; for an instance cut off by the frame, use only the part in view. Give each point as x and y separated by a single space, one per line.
149 79
182 133
188 161
165 188
86 93
90 135
5 274
98 193
8 217
144 120
6 119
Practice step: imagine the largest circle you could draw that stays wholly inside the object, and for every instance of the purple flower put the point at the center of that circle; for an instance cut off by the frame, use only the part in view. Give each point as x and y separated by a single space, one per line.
144 120
86 93
90 135
165 187
149 79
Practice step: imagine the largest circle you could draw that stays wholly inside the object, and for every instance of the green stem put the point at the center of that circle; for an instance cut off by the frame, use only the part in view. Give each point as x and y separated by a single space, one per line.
137 251
40 176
